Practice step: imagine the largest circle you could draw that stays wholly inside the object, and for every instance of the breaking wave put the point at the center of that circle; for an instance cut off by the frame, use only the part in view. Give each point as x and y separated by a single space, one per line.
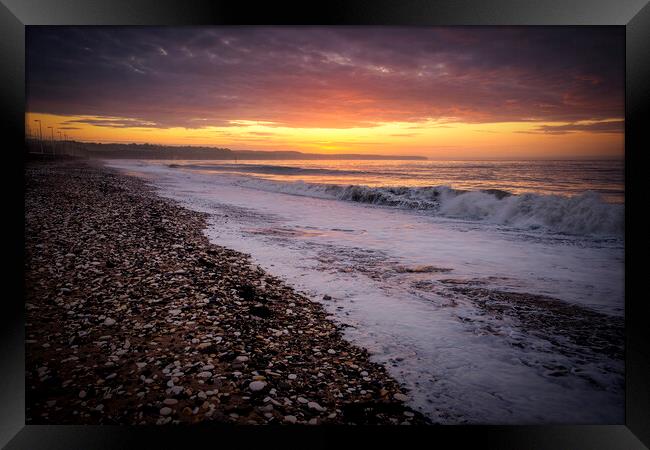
267 169
583 214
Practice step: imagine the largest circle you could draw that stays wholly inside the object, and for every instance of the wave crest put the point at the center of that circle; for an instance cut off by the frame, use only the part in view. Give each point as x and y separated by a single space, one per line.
580 215
267 169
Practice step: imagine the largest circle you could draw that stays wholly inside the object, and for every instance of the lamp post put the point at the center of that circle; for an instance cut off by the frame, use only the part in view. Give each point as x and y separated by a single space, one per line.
40 134
52 138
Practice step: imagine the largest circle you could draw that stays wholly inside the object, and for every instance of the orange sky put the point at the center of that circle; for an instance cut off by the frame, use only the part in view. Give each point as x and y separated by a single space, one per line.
430 139
443 93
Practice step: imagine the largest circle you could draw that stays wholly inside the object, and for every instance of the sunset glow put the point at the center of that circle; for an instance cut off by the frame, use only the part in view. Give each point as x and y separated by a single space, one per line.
440 93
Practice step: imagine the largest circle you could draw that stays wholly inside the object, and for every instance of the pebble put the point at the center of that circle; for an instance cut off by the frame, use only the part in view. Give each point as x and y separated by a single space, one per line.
290 419
257 386
170 401
292 376
316 406
400 397
108 322
165 411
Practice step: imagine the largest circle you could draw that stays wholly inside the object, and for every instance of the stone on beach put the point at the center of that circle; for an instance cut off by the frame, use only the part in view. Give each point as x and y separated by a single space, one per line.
316 406
257 386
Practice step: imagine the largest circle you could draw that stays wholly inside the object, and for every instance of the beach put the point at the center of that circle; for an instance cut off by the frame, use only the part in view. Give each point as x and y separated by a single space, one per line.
490 308
321 225
161 293
134 317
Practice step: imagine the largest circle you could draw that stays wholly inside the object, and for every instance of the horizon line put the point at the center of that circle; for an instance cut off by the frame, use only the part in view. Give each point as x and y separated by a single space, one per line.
428 158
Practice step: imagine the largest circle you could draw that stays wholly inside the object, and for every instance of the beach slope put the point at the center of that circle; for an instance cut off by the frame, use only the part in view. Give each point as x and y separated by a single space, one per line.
133 317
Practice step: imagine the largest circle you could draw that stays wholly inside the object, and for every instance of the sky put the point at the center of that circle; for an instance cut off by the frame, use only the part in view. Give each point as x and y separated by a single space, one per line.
444 93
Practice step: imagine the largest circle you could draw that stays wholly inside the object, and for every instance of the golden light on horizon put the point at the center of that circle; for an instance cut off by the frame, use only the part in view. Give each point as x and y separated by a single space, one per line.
434 139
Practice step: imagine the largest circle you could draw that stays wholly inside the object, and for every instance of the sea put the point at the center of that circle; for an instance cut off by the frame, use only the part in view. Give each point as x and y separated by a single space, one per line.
492 290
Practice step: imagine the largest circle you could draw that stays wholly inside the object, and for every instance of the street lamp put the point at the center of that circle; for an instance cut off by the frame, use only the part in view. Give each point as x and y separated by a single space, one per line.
40 134
52 138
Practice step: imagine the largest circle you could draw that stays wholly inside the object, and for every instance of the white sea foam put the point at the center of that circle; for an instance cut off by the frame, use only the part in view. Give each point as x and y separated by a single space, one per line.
582 214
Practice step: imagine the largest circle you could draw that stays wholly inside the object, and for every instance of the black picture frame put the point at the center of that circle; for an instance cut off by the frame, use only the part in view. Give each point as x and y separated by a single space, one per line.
634 15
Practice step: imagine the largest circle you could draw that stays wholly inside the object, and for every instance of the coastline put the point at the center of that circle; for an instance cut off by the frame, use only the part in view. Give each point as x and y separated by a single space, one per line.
133 317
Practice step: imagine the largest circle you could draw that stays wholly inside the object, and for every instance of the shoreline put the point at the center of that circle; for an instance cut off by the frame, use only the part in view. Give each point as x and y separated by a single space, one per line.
133 317
413 301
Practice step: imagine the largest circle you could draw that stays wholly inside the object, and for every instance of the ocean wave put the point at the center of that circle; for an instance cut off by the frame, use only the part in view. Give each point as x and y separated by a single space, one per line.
267 169
584 214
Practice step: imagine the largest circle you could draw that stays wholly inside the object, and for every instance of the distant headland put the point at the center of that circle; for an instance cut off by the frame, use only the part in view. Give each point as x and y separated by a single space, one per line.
154 151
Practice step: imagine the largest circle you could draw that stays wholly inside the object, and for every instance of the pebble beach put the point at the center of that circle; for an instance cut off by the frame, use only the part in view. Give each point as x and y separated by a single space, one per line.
133 317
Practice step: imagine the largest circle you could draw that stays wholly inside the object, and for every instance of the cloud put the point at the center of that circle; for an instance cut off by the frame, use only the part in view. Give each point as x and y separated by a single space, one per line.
336 77
113 122
612 126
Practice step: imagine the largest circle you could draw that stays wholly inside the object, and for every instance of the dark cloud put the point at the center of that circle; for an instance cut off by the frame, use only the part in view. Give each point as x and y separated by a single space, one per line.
614 126
331 76
115 123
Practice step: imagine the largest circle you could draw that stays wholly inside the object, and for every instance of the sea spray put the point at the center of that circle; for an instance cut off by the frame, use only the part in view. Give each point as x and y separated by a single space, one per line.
583 214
